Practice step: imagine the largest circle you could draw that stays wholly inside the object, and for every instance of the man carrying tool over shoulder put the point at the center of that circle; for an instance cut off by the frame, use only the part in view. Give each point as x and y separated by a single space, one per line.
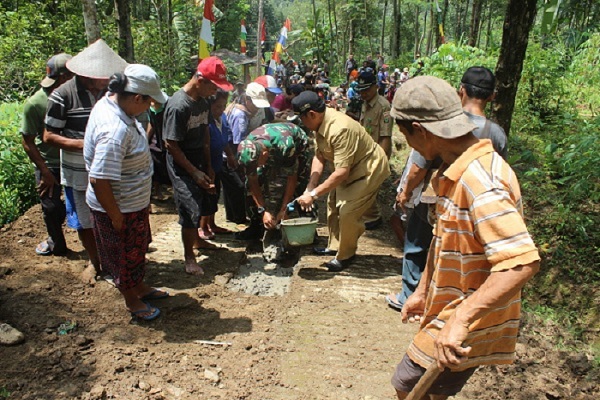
469 297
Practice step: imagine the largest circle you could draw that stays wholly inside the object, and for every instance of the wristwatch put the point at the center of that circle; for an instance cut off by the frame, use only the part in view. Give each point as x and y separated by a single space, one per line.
313 194
260 210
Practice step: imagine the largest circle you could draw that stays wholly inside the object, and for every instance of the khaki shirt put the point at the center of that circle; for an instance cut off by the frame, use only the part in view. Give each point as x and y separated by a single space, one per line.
375 117
344 142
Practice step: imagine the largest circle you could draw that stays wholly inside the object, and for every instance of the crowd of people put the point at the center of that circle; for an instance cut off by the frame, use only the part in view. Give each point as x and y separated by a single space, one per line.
102 132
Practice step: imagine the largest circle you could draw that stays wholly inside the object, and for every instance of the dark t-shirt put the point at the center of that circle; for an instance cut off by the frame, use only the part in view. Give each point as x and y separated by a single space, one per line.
186 121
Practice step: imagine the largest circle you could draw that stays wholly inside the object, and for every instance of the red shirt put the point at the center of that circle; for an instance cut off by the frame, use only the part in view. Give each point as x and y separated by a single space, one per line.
281 103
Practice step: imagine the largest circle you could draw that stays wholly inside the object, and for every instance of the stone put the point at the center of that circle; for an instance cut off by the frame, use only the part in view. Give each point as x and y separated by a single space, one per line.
222 280
145 386
98 392
10 336
211 376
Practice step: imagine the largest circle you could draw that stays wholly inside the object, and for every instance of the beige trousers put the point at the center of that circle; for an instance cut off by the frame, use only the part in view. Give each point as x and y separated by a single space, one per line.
345 222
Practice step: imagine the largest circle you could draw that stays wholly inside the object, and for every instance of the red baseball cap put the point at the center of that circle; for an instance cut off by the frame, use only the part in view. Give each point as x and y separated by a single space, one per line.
213 69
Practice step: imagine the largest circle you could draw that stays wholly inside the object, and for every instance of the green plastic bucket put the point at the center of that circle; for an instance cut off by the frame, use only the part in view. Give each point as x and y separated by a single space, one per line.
299 231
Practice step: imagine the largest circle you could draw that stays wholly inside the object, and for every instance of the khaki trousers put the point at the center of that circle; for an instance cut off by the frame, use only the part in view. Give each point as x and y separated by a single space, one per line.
374 212
345 222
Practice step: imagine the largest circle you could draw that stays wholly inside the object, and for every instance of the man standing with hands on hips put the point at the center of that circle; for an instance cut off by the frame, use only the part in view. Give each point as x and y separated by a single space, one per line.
360 167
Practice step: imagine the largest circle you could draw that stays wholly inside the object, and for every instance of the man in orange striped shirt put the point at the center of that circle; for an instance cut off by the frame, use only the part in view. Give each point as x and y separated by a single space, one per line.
481 255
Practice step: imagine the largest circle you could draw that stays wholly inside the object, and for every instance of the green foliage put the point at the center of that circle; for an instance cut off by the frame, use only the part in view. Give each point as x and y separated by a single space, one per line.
556 153
586 76
557 164
4 393
452 60
29 37
542 91
17 183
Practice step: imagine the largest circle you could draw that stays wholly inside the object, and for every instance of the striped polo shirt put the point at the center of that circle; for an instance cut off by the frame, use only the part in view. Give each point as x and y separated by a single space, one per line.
69 108
116 149
480 230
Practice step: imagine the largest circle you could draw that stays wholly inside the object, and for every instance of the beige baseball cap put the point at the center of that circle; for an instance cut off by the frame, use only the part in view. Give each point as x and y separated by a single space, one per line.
257 94
434 104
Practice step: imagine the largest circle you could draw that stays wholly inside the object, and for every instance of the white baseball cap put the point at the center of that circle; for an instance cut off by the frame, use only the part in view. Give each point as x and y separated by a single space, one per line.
257 94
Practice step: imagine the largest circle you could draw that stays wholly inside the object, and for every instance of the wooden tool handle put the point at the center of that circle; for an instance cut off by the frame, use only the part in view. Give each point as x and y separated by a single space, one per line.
420 389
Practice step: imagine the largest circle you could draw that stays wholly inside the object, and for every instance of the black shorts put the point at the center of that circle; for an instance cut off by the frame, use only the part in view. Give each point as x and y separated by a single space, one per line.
188 198
449 383
160 175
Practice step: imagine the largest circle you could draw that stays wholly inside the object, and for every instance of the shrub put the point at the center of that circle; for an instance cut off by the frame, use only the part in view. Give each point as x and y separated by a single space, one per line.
17 183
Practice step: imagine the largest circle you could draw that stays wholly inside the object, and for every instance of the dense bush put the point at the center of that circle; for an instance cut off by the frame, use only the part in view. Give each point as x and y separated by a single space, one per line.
555 151
17 183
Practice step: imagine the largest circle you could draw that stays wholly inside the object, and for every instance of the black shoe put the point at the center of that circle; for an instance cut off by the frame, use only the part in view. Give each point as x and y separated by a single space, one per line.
253 232
324 251
336 265
373 224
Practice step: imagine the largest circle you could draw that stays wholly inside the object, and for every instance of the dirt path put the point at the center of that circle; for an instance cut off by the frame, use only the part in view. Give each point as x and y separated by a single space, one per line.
308 335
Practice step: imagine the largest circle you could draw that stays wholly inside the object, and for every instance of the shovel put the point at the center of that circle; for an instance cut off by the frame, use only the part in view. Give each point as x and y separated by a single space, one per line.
421 388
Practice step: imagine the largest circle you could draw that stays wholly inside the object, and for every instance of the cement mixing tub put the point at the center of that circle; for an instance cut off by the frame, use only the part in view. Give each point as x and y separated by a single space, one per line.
299 231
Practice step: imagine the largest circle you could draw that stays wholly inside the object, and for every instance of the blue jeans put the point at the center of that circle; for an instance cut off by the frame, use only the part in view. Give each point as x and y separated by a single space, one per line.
417 240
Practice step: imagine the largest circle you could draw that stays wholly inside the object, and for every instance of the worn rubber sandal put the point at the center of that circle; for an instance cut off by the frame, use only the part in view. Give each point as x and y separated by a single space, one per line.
43 249
155 294
138 314
203 236
394 302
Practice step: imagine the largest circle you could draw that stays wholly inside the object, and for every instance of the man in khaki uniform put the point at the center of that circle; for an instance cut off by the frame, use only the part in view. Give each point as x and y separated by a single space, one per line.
360 165
375 117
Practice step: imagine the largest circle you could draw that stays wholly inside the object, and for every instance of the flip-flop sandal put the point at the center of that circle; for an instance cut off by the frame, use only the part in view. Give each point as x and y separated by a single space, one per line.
394 302
138 314
155 294
43 249
205 237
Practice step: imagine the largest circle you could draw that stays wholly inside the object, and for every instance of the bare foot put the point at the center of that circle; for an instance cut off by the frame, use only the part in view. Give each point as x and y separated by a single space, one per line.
192 267
88 276
203 244
218 229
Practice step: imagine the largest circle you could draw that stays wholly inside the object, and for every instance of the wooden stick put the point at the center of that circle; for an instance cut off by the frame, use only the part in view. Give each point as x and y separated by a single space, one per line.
421 388
213 343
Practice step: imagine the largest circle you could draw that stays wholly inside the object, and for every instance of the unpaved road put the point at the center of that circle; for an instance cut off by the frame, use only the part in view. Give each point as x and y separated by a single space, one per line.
318 336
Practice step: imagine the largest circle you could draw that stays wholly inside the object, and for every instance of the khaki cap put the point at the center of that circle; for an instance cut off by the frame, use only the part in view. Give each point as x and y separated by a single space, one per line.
434 104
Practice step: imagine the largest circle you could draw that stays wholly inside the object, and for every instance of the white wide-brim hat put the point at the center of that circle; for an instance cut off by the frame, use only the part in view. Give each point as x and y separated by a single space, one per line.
97 61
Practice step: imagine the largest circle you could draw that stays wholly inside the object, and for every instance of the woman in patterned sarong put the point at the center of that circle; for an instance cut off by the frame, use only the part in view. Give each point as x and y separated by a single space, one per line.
117 156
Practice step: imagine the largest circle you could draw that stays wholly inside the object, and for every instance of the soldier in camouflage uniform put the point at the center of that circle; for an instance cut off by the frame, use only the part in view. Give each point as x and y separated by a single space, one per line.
280 149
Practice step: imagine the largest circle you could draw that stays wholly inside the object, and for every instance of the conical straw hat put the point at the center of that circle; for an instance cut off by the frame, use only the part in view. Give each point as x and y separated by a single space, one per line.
97 61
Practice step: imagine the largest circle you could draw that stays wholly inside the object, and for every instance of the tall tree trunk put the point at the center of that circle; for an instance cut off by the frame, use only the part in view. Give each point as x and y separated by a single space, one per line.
332 49
458 21
351 37
481 22
395 34
422 35
367 24
90 19
475 21
518 21
383 18
258 35
124 25
488 36
316 35
399 28
417 49
432 26
438 36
